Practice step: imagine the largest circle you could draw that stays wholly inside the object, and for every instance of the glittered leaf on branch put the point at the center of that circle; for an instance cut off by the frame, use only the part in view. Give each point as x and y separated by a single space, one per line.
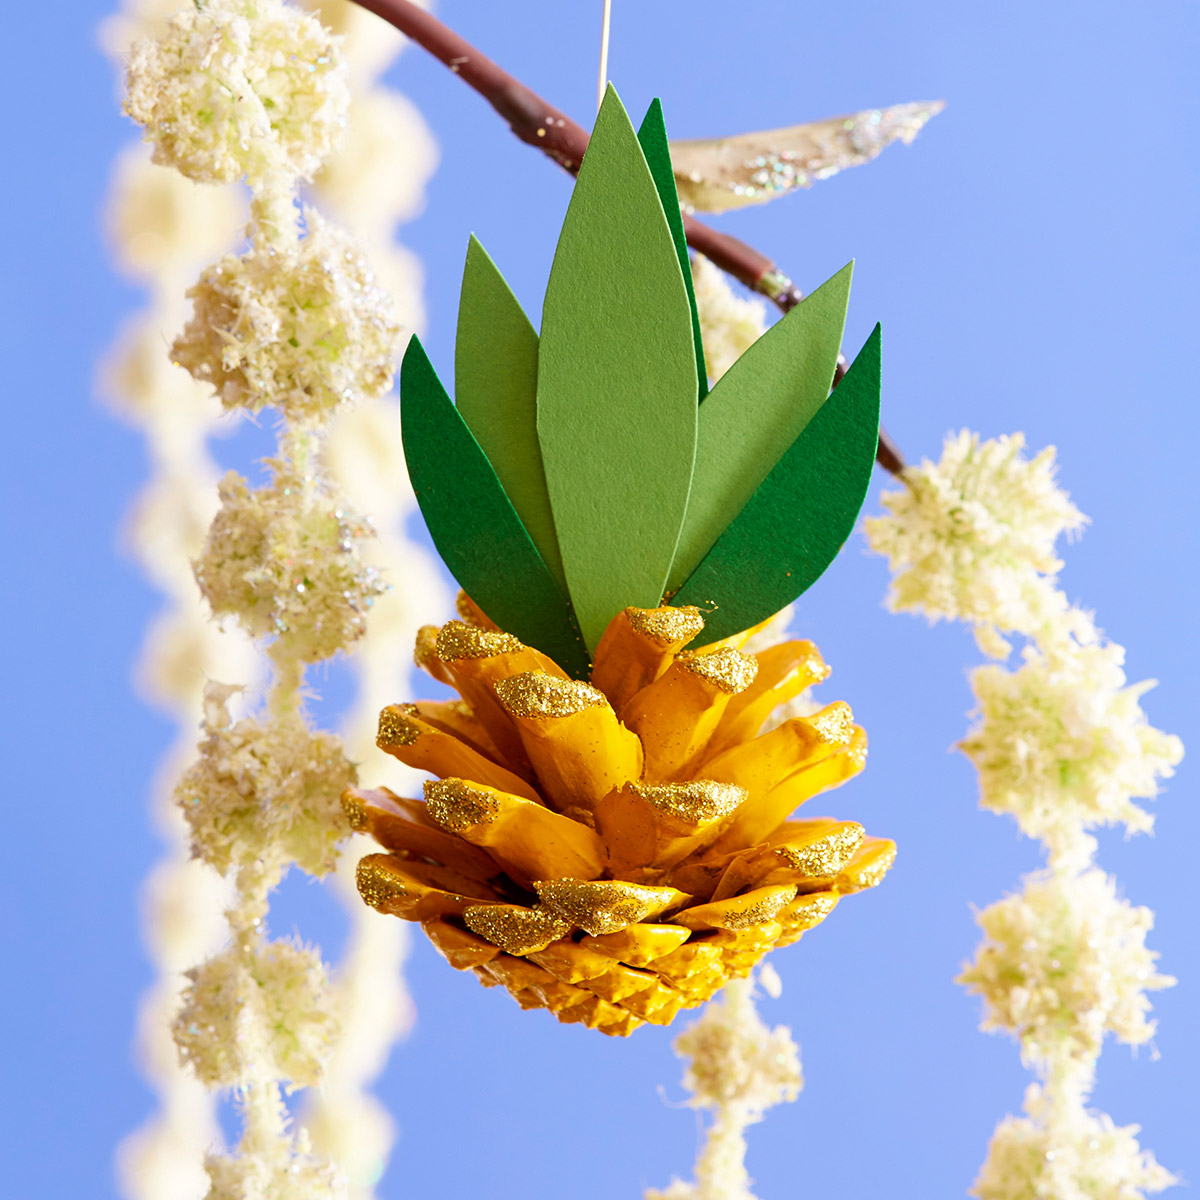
715 174
495 389
473 523
617 382
756 411
796 522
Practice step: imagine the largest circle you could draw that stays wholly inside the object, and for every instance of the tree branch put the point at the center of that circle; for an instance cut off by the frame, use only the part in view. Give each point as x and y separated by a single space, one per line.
540 124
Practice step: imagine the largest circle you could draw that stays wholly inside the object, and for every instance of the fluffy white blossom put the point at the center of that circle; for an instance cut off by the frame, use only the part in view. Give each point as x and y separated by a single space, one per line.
972 537
1063 745
302 328
738 1068
264 792
1063 963
284 559
729 324
1072 1154
267 1010
239 87
158 221
389 154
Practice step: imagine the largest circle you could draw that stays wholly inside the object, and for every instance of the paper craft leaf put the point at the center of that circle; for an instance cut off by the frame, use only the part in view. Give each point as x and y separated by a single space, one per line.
800 516
617 382
474 525
715 174
652 135
495 389
756 410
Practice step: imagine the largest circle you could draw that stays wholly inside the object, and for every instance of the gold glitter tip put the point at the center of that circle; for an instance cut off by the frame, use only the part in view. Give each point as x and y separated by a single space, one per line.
397 727
666 626
701 800
869 865
536 694
457 639
514 928
740 912
824 857
731 670
355 810
604 906
834 724
378 883
457 806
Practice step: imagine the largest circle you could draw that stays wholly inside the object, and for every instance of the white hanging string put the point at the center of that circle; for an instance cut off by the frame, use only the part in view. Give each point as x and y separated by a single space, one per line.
603 80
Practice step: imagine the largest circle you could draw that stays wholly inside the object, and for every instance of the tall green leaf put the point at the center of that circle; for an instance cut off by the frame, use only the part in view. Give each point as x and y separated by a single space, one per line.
756 410
473 523
652 135
495 389
800 516
617 382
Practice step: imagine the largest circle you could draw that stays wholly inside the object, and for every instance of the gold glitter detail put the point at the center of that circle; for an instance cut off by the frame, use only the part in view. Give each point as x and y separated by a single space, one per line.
824 858
697 801
457 639
759 913
536 694
462 708
457 807
425 649
515 929
666 625
834 724
606 906
731 670
355 810
397 727
377 883
874 869
809 911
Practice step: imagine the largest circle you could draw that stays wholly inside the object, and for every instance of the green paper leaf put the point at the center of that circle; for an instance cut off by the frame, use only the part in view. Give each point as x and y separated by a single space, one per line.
800 516
616 382
495 389
756 410
473 523
652 135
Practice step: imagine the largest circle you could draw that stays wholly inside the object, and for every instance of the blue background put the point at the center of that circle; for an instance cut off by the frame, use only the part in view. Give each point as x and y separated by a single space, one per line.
1033 259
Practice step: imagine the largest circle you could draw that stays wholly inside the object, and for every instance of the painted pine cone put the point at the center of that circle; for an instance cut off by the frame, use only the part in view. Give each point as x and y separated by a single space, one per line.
614 851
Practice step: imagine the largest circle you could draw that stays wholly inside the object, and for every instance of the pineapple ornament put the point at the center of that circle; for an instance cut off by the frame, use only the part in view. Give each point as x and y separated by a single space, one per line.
608 830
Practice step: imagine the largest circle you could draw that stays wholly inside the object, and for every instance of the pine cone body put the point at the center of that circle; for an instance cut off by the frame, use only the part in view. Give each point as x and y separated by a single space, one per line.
614 851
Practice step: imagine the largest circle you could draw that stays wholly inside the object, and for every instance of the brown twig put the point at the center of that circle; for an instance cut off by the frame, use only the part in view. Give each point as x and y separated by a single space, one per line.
540 124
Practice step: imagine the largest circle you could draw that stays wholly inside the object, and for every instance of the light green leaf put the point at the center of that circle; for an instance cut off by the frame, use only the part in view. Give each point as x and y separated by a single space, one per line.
617 382
495 388
755 412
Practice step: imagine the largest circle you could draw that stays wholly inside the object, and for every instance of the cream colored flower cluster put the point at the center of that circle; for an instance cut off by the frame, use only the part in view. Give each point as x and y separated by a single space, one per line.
739 1068
265 1011
302 328
1062 745
263 795
298 322
1072 1155
972 538
239 88
1062 963
284 559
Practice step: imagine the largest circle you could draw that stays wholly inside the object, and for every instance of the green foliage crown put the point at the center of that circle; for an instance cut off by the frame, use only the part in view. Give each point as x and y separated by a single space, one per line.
591 468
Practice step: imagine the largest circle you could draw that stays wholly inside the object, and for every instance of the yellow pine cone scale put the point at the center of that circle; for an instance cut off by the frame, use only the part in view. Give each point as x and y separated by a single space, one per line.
614 851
